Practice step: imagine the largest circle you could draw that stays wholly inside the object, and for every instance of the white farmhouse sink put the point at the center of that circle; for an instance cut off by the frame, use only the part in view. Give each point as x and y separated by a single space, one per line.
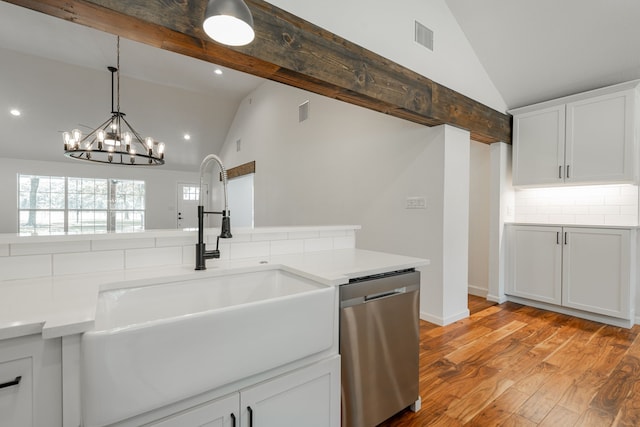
158 344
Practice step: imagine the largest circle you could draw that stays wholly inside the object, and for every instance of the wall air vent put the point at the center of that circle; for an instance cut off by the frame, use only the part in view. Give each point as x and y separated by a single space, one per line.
424 36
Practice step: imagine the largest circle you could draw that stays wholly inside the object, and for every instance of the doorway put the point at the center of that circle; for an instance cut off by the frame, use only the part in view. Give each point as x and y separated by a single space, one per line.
188 199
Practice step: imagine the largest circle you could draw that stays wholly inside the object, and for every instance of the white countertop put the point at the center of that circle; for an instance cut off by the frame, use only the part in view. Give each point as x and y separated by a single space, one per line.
65 305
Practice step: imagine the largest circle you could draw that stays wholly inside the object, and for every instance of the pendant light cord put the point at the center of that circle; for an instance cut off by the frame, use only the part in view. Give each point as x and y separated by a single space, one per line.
118 71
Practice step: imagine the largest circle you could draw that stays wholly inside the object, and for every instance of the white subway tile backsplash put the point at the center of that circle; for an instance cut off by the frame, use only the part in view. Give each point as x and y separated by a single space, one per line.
283 247
153 257
114 244
88 262
346 242
176 241
248 250
25 267
604 210
620 220
597 205
262 237
50 247
304 235
319 244
589 219
53 257
333 233
189 255
575 210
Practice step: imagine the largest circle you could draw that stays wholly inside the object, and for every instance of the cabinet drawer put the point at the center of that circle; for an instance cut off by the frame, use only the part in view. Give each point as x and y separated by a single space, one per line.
16 399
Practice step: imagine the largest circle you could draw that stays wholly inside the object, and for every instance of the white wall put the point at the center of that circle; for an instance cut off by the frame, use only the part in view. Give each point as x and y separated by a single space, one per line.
349 165
161 187
479 206
388 30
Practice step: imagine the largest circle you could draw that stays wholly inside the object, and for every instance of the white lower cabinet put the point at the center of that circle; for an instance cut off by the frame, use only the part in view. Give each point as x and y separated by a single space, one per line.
583 268
221 412
30 382
307 397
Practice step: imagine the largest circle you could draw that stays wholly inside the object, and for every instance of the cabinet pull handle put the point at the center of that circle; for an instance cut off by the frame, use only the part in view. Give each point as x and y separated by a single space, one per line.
233 420
560 172
557 237
250 416
11 383
568 171
565 237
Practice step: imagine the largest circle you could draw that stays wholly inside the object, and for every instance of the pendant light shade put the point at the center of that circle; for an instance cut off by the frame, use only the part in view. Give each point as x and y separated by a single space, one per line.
229 22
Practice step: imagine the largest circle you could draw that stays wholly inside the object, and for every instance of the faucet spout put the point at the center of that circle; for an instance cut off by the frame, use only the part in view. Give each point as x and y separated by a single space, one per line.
202 254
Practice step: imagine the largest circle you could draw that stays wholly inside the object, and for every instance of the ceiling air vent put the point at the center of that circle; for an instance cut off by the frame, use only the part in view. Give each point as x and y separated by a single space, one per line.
424 36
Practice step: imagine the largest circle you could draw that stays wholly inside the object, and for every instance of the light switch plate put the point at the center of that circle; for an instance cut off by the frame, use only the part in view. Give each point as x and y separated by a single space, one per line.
416 203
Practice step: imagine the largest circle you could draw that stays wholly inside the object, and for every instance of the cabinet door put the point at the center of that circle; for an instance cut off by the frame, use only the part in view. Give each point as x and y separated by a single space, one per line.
596 271
222 412
535 263
600 139
308 397
15 393
538 147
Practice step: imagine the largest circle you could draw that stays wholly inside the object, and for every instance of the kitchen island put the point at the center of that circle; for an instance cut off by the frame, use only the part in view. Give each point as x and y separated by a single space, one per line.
60 304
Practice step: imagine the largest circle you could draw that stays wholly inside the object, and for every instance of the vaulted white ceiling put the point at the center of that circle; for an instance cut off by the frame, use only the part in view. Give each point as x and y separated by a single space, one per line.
530 51
536 50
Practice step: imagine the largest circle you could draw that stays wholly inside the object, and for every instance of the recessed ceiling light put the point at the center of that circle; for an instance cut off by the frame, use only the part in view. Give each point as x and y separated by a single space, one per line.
218 71
187 136
15 112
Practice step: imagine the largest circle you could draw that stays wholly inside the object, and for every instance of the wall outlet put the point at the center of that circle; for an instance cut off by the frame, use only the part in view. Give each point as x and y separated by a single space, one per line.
416 203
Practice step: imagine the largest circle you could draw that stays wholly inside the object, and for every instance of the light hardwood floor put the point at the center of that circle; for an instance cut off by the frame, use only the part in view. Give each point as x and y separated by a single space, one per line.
512 365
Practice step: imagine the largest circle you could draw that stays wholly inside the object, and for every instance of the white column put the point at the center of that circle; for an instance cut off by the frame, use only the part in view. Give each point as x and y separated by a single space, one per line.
445 281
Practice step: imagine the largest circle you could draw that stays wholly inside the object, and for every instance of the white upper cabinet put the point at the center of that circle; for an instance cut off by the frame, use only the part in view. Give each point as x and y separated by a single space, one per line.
538 155
588 138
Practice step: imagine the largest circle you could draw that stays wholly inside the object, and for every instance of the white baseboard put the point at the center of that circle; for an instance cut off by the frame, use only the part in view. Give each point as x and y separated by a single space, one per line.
444 321
477 291
498 299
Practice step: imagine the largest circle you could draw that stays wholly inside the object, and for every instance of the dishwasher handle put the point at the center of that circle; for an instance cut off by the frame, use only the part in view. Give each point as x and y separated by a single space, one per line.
385 294
364 299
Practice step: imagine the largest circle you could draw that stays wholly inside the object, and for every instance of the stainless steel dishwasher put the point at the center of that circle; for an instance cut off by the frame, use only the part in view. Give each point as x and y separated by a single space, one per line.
379 346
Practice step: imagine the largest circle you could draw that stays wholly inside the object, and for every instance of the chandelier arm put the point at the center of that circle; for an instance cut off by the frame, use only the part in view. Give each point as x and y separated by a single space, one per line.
93 132
135 133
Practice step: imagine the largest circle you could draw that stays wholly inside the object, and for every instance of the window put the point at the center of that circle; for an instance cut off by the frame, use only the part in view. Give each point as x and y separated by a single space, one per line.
54 205
190 193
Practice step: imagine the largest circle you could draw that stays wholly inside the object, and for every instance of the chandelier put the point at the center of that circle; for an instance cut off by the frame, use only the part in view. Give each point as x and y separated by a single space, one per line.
115 141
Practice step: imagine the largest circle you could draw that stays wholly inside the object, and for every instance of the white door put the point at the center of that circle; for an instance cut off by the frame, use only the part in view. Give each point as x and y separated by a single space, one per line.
188 198
538 147
308 397
600 133
596 274
535 263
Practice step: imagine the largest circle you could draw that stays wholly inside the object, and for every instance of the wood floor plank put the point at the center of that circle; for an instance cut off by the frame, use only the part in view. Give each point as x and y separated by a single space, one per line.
513 365
498 411
478 398
560 416
595 418
467 350
615 390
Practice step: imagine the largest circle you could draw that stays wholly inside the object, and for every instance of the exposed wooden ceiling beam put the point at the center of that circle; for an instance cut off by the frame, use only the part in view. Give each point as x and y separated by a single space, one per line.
289 50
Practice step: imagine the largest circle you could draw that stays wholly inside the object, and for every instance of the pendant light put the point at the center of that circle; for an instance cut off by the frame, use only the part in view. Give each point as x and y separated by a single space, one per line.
229 22
115 141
